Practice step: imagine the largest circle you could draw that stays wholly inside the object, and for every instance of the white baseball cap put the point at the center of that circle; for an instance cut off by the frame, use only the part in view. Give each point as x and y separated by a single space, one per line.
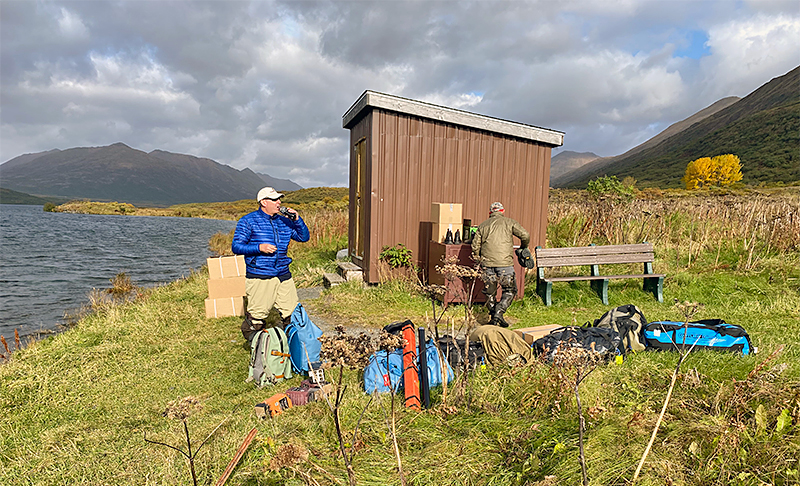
268 193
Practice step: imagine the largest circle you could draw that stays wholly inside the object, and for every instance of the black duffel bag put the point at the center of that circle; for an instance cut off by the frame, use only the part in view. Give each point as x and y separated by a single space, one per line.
601 341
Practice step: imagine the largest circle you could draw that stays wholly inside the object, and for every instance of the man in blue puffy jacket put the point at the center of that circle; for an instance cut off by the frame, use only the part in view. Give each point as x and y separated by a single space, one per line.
263 238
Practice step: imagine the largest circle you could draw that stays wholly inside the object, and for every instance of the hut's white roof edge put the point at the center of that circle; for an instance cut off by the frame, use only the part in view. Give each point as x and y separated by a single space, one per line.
373 99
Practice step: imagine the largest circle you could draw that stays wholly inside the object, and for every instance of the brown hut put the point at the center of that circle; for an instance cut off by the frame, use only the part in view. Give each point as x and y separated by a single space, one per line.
407 154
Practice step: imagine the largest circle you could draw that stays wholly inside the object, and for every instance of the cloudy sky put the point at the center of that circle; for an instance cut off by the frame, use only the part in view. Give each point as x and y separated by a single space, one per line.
265 84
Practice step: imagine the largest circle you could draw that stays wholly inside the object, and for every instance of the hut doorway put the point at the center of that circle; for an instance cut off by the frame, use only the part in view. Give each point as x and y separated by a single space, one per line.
361 198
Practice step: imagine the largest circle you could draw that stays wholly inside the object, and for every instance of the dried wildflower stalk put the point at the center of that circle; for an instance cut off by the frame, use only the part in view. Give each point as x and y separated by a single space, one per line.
462 280
342 349
688 309
181 410
582 362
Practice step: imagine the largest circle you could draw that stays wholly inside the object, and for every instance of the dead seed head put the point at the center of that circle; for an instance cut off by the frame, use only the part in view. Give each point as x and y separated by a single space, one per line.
346 349
433 290
288 455
688 309
390 342
451 270
576 357
181 409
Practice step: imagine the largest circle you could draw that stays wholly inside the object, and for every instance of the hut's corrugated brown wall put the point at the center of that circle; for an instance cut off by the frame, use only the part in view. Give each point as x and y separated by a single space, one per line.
413 162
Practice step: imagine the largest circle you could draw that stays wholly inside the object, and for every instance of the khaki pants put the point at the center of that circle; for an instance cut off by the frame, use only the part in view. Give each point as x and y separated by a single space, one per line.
262 294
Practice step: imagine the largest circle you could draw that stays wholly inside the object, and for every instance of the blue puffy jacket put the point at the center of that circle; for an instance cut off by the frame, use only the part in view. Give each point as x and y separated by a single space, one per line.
258 227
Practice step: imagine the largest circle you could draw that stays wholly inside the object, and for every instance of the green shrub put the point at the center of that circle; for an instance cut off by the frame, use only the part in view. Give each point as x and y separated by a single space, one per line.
609 187
397 256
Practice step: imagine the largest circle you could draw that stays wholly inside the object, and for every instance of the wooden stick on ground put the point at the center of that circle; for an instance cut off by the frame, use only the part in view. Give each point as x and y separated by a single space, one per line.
237 457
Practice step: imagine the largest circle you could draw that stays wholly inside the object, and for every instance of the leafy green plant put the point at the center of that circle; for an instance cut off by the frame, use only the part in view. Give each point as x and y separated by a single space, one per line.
609 187
397 256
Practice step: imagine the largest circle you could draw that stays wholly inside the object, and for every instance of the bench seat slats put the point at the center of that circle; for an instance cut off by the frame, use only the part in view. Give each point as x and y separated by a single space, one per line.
601 277
578 260
595 250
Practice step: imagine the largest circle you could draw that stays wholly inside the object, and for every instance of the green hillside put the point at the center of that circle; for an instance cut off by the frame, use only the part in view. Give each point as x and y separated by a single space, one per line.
763 129
7 196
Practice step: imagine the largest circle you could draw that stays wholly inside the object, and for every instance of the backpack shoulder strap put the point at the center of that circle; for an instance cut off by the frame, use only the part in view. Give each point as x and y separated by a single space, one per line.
257 346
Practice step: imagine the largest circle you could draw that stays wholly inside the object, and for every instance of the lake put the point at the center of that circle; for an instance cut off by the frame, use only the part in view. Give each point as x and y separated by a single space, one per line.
49 262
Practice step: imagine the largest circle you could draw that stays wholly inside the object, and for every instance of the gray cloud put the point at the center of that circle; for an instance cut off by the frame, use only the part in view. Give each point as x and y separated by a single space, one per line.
264 84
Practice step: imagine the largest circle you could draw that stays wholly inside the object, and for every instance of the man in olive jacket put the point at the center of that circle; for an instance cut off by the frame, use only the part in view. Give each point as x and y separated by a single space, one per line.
493 249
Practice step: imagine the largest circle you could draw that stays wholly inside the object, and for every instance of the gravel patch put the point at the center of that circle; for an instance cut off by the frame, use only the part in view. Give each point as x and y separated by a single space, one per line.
309 297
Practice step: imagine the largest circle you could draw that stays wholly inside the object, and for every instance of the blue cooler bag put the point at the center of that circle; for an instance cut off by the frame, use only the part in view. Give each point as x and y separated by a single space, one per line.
711 334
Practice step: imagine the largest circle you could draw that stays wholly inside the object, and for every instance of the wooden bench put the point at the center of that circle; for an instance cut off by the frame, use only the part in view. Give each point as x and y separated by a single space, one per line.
594 256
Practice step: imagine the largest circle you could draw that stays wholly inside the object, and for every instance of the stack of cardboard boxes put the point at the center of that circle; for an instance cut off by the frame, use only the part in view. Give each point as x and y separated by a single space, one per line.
226 286
445 216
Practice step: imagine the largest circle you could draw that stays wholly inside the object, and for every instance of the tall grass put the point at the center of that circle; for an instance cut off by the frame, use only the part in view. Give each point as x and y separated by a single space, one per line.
752 228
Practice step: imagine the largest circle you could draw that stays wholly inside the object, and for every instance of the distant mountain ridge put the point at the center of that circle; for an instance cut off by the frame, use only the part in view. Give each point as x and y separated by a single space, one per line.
279 184
762 128
120 173
567 161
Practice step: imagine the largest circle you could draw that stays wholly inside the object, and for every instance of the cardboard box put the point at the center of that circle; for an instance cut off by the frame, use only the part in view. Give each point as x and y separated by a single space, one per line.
223 267
219 288
446 213
531 334
440 231
230 306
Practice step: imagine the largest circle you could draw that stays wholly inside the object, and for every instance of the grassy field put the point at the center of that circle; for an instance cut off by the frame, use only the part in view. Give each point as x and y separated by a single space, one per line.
75 408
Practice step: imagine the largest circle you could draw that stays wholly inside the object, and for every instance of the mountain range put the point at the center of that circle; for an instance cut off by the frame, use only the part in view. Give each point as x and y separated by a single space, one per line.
763 129
568 161
120 173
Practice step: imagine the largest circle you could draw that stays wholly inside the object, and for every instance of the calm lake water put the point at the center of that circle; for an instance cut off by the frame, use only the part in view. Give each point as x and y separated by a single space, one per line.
49 262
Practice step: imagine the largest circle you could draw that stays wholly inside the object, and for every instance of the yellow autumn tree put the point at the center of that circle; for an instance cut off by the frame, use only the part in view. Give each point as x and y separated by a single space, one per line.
698 173
721 170
727 169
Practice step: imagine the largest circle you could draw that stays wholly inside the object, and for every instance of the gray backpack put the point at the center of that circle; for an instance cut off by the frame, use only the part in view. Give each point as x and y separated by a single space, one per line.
269 357
629 322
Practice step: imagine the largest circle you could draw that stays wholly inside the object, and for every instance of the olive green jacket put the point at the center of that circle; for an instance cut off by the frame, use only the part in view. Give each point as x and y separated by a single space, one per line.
493 243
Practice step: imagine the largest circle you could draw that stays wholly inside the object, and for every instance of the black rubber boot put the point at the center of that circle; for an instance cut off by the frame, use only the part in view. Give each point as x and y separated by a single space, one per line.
250 326
285 322
500 308
457 238
448 238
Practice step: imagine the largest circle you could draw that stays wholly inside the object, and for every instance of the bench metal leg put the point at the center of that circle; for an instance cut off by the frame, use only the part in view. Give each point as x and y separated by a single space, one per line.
544 290
654 285
601 287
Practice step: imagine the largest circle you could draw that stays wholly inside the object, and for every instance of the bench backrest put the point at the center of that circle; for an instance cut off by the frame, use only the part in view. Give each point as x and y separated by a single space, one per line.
594 255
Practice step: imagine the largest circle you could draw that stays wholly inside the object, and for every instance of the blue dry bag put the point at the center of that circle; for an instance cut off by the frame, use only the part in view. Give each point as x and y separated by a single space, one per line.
386 369
303 335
